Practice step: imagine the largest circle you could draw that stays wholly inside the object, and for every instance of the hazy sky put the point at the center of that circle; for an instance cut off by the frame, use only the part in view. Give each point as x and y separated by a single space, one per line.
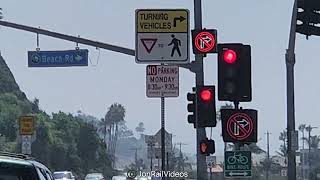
116 77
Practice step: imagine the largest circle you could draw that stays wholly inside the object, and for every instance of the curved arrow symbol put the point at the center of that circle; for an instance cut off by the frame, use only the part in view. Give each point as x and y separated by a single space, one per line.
181 18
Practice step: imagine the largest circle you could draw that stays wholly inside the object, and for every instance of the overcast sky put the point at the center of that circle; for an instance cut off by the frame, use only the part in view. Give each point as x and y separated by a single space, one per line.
116 77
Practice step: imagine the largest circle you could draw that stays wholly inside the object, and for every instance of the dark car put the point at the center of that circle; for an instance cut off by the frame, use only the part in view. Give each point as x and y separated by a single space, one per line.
22 167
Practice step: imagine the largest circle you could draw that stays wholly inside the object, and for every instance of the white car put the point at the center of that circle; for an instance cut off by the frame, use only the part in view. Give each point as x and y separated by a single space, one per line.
119 178
94 176
63 175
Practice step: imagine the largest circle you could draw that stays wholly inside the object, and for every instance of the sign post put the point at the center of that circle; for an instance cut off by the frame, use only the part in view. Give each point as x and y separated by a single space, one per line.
237 164
162 36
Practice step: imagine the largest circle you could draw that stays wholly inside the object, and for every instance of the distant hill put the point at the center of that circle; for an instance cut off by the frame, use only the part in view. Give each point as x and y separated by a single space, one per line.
7 82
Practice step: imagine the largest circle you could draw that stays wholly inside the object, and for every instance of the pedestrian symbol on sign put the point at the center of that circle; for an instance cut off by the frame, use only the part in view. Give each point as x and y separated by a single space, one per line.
176 43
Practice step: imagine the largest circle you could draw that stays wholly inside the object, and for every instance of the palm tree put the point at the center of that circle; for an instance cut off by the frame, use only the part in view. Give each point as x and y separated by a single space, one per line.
302 128
140 128
103 129
313 142
114 117
283 147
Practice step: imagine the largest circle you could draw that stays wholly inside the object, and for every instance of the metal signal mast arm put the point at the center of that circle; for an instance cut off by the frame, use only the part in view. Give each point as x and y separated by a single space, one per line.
109 47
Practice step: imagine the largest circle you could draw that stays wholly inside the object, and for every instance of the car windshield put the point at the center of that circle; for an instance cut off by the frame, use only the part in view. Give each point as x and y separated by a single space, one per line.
61 175
9 171
93 176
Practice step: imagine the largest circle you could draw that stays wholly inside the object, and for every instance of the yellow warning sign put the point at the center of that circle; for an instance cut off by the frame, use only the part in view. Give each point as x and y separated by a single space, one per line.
162 21
26 125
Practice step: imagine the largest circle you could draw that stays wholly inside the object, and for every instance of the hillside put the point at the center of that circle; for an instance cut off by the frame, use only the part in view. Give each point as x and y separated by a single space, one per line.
7 82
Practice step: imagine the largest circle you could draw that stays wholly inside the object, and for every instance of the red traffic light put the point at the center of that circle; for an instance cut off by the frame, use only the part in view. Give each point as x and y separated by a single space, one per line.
203 147
207 147
229 56
206 95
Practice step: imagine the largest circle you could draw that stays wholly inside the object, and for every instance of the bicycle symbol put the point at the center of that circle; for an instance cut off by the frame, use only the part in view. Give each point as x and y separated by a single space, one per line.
237 158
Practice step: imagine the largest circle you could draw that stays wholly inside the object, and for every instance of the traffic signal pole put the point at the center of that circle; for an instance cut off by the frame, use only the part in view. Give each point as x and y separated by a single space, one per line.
75 39
290 61
198 66
237 146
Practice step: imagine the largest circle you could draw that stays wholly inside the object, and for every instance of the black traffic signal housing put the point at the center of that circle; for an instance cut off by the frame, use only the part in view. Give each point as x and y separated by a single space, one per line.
207 147
234 72
191 97
308 17
206 106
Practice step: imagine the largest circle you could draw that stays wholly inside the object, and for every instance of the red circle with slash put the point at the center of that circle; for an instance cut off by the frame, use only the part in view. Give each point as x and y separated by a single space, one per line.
239 126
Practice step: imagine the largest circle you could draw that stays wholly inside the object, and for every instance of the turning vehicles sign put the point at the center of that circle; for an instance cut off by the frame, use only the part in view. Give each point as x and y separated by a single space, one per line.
162 35
239 125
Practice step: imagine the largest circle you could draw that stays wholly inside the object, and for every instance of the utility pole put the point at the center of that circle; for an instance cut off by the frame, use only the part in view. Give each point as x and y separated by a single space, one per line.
151 158
163 131
181 161
302 154
237 145
290 61
268 156
201 132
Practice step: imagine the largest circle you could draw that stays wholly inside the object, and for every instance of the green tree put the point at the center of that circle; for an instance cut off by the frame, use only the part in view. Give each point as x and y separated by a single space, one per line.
302 128
313 142
283 147
42 145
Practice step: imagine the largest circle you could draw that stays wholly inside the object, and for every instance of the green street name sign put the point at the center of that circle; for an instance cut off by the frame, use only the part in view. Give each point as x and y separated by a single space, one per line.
237 164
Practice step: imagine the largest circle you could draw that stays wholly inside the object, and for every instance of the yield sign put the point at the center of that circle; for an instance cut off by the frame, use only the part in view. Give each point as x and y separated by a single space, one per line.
239 126
148 43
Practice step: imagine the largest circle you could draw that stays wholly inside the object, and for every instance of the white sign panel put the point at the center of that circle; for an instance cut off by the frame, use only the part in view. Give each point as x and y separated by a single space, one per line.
162 36
211 161
26 142
162 81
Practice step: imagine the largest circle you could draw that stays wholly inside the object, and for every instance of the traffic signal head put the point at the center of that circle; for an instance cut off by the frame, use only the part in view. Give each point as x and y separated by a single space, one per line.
207 147
191 97
234 72
206 106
